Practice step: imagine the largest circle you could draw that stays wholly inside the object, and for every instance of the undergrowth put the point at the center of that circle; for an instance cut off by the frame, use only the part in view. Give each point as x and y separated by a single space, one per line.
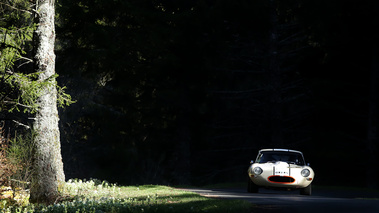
96 196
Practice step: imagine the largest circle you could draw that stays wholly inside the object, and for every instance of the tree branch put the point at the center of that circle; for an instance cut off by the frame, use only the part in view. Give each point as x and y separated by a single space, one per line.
18 104
4 45
21 124
13 7
27 61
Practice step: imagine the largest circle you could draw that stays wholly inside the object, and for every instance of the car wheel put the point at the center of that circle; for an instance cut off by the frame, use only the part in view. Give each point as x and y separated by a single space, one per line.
307 190
251 186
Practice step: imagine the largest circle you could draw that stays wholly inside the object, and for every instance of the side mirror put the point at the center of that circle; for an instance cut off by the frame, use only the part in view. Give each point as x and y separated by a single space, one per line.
251 162
308 164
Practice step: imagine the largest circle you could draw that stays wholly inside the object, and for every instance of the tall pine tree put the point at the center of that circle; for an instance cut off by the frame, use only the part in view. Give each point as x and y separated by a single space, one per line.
48 165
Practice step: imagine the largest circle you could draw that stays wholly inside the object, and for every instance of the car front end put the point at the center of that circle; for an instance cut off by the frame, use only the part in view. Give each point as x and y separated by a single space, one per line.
281 174
281 169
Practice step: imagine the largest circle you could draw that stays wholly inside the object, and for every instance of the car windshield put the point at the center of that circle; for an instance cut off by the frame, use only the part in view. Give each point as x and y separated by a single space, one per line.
273 156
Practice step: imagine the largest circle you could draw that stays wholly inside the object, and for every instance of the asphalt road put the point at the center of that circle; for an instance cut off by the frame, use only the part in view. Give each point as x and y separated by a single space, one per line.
321 201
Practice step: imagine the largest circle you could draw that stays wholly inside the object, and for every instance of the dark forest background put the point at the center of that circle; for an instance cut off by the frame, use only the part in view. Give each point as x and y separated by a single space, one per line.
187 92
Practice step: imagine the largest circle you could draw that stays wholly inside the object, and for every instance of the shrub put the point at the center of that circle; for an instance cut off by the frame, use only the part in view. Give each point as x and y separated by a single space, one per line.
7 166
20 153
15 169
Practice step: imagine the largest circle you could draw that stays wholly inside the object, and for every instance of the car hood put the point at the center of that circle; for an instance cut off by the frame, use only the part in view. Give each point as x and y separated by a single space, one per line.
279 167
282 164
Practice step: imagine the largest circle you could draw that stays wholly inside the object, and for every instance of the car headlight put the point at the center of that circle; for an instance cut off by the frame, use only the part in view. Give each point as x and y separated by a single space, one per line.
305 172
257 170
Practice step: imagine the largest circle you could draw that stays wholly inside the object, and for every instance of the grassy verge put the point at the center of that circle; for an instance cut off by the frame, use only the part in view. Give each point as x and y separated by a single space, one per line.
100 197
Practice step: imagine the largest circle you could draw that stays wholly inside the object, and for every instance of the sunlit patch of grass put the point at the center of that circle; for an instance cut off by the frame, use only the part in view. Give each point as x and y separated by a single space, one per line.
99 197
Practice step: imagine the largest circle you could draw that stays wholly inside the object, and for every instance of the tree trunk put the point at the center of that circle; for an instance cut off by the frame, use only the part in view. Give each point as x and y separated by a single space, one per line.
373 120
373 111
47 165
182 168
274 81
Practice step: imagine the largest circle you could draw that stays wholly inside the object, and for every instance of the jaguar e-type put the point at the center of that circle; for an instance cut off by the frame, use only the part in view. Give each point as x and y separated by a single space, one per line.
280 169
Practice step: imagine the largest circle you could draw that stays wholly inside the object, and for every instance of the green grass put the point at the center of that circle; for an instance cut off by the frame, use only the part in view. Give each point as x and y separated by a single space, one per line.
100 197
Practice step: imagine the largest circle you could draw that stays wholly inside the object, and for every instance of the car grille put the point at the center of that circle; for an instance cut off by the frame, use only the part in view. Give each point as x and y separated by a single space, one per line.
281 179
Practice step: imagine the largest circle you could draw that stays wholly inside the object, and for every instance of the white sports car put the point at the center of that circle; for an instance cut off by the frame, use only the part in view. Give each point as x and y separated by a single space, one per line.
280 168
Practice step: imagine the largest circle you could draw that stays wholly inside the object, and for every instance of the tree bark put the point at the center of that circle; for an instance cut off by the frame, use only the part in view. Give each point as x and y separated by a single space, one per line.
274 80
47 166
373 120
182 158
372 175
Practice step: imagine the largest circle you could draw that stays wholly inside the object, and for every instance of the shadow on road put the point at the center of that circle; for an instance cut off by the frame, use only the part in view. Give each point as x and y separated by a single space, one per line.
323 200
345 192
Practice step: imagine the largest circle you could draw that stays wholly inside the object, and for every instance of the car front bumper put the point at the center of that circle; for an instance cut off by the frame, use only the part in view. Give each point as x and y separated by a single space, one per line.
281 175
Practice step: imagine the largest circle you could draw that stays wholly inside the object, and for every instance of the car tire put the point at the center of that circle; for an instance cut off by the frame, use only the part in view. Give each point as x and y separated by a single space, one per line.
307 190
251 186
